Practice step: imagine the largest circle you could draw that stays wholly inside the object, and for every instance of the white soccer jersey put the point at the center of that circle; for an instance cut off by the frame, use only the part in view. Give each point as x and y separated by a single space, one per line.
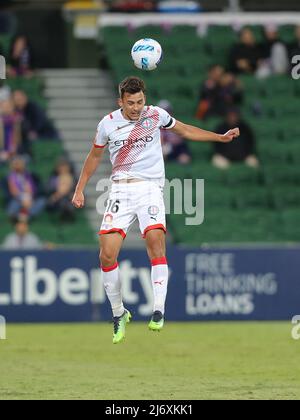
135 146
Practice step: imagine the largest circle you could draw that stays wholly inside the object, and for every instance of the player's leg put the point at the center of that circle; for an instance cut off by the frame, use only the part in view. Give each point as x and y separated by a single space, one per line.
152 219
117 219
110 246
156 248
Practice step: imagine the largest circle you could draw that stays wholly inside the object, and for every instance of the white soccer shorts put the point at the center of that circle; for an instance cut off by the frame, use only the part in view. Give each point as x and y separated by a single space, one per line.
131 201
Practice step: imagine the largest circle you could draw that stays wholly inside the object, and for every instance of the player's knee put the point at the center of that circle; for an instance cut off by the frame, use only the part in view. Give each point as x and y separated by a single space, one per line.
107 258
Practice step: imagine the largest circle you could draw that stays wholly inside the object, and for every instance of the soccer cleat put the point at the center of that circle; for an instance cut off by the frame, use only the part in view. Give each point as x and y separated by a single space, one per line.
120 326
157 321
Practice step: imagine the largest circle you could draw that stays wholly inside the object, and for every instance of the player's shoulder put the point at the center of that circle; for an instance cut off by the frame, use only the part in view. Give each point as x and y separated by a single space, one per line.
155 108
114 115
109 119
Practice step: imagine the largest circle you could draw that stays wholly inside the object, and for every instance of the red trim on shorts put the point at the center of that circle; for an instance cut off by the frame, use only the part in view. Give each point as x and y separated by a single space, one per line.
120 231
152 227
159 261
112 268
99 147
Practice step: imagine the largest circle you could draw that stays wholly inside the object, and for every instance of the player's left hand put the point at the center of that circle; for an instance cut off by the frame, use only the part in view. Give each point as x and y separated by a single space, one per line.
230 135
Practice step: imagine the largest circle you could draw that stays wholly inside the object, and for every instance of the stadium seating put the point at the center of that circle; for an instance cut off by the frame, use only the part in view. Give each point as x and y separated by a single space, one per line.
241 197
45 154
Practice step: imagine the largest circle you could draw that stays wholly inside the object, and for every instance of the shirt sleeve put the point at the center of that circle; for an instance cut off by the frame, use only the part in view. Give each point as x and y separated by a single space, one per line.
166 121
101 138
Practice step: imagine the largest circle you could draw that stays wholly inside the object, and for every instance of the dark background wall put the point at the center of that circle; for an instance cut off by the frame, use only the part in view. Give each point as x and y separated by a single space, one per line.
47 34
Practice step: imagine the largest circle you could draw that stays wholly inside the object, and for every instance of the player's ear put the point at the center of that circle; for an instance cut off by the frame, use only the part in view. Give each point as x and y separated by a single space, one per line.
120 102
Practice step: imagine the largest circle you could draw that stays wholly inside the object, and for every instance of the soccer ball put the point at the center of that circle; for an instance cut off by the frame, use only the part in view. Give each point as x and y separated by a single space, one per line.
146 54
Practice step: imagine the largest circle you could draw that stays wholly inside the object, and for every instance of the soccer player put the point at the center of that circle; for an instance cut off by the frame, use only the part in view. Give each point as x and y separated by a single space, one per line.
132 134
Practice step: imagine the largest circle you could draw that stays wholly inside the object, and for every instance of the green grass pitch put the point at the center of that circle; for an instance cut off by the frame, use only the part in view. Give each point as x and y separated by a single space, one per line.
184 361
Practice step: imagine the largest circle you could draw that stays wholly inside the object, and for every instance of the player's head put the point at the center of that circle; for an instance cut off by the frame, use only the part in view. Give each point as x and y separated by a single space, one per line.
132 97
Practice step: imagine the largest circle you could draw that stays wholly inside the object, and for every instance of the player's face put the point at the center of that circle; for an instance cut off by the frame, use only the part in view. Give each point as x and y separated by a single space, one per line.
132 105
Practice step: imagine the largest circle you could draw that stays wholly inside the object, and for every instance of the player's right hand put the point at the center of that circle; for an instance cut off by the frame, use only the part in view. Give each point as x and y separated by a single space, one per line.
230 135
78 200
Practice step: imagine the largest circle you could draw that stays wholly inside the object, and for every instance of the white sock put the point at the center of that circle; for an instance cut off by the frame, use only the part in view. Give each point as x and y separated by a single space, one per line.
112 286
160 278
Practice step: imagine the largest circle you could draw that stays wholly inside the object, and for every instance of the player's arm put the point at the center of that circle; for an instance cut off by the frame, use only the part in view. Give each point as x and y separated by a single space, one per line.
89 168
197 134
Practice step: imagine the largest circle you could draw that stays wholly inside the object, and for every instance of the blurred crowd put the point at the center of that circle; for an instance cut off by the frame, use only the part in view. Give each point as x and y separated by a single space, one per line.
26 198
264 58
22 122
222 95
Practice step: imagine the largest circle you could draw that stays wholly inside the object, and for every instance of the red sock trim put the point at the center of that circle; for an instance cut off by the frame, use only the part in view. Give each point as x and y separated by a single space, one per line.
108 269
159 261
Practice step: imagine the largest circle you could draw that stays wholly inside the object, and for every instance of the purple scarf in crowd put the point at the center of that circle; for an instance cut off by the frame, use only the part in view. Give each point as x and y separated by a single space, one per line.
21 180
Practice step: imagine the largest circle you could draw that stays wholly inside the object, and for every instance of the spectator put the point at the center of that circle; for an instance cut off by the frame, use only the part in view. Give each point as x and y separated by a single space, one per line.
10 130
61 189
20 58
174 147
274 54
22 239
23 191
220 91
294 47
242 150
244 57
231 92
209 95
35 122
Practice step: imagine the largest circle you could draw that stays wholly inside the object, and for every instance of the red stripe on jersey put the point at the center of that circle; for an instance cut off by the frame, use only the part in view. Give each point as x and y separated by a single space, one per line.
111 116
129 154
99 147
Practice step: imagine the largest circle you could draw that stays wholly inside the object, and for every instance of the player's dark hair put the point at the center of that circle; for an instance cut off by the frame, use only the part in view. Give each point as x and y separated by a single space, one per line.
132 85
